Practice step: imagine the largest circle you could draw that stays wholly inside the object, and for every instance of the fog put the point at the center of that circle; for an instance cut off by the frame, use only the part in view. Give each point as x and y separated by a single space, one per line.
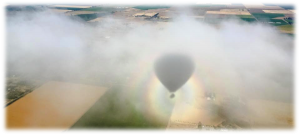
250 60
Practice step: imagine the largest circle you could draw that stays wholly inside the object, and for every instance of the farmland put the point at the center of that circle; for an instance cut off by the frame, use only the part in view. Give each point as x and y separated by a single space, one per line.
103 55
116 110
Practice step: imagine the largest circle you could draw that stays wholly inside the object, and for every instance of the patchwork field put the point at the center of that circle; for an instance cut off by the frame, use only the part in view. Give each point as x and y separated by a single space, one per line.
230 12
104 9
71 6
266 16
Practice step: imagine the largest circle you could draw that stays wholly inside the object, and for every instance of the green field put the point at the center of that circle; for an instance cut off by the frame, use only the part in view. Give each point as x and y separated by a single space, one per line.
245 16
248 19
289 27
286 27
69 8
269 17
102 9
278 22
293 21
115 110
96 9
266 16
87 17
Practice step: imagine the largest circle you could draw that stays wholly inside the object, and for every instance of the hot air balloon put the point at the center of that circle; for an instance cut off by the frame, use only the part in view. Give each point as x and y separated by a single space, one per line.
173 70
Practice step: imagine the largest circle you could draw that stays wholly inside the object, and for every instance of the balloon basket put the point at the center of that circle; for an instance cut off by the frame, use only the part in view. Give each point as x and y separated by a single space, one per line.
172 95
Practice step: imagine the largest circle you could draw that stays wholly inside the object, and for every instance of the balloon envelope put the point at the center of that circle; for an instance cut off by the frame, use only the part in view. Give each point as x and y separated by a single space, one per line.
174 70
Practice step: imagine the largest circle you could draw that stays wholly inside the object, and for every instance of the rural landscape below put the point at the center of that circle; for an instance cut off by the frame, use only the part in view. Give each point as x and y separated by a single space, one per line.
191 67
